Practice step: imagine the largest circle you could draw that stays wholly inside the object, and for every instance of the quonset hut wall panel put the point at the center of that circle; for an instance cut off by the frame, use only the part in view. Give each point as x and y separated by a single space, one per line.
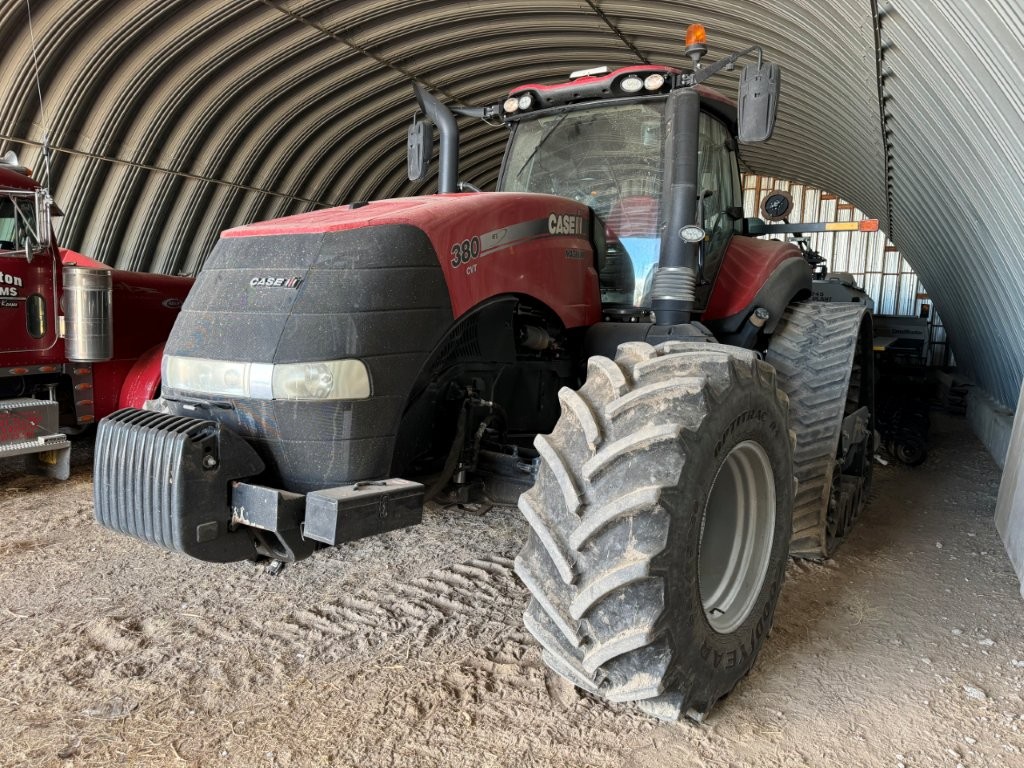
174 119
954 89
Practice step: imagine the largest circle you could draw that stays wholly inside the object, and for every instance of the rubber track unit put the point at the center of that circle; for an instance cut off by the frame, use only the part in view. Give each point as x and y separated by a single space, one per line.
812 351
594 561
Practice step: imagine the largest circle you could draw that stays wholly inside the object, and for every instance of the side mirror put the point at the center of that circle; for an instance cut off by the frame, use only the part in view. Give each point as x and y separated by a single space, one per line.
419 149
758 102
44 206
38 238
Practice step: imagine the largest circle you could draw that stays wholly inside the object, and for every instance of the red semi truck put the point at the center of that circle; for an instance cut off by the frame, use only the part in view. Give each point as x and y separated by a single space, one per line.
78 340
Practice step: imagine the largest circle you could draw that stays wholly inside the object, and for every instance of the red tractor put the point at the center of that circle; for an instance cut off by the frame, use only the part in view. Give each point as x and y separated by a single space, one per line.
77 340
603 333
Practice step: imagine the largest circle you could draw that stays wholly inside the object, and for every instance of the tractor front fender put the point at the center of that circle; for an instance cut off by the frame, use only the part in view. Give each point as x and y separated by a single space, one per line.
143 380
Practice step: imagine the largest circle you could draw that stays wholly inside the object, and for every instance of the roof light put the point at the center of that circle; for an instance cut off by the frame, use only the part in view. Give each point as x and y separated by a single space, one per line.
696 35
631 84
525 101
654 81
511 104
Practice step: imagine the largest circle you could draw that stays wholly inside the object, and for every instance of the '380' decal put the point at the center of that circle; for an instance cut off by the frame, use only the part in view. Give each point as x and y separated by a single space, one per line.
477 247
464 251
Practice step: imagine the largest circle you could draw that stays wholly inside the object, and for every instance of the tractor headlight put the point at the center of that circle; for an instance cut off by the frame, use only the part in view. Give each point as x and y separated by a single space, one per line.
525 101
220 377
511 104
316 380
335 380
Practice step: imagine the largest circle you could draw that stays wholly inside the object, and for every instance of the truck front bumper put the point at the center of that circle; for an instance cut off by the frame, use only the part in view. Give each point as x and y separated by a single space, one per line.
28 428
190 485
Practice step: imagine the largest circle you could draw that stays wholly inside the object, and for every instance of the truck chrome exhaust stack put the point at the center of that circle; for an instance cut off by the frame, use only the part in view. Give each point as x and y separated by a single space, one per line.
88 300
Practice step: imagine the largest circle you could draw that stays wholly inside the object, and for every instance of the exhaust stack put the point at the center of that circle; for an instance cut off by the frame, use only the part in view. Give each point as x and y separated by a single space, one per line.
448 157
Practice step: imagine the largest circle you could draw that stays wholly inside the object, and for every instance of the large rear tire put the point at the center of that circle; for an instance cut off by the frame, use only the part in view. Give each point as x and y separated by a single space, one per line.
660 525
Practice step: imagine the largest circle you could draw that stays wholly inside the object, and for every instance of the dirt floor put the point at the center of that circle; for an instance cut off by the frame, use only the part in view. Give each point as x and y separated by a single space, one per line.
907 649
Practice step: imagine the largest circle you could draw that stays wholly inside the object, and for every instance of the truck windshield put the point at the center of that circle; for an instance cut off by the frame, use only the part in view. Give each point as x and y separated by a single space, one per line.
610 158
17 222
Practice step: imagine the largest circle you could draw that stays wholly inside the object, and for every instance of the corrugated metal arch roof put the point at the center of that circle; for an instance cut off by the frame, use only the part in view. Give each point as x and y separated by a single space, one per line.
174 119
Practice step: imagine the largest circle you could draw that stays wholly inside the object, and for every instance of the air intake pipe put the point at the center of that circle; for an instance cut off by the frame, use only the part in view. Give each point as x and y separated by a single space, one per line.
673 290
448 157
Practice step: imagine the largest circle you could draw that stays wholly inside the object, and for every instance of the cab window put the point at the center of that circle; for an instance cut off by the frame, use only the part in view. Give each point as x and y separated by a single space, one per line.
718 180
17 222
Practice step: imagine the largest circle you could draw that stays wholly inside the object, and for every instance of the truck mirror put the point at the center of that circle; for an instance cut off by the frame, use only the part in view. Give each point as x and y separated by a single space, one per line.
420 148
37 233
44 206
758 102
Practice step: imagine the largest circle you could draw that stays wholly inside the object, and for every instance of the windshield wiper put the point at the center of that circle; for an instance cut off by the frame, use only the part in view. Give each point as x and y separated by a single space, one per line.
543 139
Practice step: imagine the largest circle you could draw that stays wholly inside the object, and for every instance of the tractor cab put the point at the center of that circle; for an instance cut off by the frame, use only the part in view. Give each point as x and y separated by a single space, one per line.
652 151
600 139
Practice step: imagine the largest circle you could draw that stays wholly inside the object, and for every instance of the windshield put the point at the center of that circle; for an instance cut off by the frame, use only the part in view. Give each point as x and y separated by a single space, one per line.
17 222
610 158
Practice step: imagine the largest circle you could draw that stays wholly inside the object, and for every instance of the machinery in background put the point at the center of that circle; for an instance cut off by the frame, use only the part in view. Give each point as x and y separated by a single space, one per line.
904 387
827 286
77 340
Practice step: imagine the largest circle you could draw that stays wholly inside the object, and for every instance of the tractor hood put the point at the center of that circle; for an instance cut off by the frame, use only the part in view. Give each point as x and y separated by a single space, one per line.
375 283
293 291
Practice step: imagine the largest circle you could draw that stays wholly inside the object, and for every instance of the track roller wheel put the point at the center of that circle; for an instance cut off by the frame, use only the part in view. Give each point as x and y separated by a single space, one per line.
660 525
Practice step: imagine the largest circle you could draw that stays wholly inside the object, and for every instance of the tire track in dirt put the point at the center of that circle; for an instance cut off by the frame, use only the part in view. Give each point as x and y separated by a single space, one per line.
454 609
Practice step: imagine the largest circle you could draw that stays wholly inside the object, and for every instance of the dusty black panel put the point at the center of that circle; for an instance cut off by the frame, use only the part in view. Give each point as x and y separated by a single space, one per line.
389 373
374 293
307 465
230 290
224 313
361 334
267 252
373 289
306 420
377 247
250 336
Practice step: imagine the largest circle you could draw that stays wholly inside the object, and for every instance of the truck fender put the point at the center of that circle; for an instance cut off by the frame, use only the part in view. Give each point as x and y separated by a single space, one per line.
143 380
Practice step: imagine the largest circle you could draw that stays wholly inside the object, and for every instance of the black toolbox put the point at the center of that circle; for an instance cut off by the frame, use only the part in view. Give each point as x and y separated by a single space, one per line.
350 512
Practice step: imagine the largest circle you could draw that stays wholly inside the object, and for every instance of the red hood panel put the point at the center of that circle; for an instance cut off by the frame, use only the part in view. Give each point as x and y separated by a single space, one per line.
488 244
424 212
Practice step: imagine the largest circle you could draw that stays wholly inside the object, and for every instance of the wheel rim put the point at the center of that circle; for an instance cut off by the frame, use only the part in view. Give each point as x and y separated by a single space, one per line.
736 536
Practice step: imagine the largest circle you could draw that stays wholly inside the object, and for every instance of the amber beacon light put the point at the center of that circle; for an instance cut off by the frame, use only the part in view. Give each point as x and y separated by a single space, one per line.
696 35
696 43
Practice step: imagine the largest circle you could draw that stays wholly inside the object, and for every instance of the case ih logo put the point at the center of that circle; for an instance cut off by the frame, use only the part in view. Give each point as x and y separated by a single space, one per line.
9 284
275 282
565 224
